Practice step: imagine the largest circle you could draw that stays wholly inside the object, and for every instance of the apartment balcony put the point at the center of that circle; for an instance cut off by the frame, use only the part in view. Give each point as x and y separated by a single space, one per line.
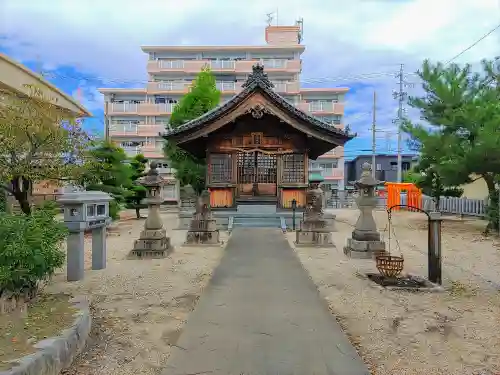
220 66
132 130
287 87
335 153
319 108
333 174
140 109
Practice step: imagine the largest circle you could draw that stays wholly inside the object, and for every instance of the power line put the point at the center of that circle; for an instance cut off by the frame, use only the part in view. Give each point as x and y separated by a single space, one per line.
497 27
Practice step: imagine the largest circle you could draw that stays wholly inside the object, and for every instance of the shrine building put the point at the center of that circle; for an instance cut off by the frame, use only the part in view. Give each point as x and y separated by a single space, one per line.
257 146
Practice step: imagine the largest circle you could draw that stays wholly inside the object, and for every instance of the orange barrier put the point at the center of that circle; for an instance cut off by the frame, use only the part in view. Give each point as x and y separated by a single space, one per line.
413 195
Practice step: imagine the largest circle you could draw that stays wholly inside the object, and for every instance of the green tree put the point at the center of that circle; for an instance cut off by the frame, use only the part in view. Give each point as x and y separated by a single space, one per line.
136 192
463 111
40 142
202 98
107 170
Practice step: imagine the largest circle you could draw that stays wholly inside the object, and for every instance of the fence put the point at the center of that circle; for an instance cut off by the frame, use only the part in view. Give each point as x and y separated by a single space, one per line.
447 205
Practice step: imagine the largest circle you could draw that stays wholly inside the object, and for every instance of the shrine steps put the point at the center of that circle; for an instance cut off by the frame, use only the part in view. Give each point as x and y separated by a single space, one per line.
256 200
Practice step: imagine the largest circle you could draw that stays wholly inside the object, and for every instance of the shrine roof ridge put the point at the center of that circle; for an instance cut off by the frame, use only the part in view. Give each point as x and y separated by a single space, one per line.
257 79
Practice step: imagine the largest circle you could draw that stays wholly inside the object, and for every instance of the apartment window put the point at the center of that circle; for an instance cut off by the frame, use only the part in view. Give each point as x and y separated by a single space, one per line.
379 167
394 165
337 119
405 166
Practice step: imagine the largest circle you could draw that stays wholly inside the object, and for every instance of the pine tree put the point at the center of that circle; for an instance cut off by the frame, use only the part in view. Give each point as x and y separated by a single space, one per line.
107 170
136 191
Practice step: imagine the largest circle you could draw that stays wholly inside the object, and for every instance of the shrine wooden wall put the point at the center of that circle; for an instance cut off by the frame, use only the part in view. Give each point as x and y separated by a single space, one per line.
287 148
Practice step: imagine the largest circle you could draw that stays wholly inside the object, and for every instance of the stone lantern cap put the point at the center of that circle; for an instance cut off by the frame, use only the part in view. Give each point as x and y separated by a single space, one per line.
366 180
315 175
152 178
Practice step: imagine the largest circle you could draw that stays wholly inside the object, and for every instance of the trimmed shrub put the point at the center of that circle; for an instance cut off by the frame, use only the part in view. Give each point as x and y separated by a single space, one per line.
29 250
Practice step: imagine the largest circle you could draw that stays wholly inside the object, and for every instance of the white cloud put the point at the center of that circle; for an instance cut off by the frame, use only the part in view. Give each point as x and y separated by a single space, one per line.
343 38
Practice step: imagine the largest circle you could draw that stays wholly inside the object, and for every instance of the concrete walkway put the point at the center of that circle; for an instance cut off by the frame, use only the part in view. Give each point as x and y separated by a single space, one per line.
262 315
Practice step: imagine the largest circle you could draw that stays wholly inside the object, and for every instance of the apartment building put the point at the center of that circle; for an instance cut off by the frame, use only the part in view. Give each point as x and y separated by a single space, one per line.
137 116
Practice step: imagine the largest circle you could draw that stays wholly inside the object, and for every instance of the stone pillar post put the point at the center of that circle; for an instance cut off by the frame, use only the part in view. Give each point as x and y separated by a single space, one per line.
75 258
99 248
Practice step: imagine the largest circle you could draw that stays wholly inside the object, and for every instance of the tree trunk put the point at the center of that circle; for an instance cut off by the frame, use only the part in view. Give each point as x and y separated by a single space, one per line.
493 209
137 211
20 191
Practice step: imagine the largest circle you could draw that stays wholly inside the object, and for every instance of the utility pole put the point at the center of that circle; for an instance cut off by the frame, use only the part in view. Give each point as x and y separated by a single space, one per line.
401 96
374 131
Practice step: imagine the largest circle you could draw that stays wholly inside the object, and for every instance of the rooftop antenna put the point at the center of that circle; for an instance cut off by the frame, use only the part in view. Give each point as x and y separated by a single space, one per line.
300 24
270 18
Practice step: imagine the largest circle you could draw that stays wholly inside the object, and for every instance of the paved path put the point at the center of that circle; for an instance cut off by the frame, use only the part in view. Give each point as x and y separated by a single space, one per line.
262 315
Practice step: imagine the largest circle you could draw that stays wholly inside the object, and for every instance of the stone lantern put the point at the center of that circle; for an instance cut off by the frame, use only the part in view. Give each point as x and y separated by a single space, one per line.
153 241
203 227
365 241
314 229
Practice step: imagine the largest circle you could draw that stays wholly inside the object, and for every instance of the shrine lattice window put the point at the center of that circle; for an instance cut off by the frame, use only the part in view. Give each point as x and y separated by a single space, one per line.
293 168
220 168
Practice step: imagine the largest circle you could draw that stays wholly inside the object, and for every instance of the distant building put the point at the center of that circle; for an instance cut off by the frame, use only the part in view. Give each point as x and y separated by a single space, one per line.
138 116
386 167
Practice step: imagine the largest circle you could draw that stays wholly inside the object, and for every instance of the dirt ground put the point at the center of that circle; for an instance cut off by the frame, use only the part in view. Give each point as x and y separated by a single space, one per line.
456 332
46 316
139 306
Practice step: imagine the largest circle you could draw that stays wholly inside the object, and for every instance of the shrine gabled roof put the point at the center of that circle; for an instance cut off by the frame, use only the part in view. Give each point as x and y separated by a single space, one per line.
256 81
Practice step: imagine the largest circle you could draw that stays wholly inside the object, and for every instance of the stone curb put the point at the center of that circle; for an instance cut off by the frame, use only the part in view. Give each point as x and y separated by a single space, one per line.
57 353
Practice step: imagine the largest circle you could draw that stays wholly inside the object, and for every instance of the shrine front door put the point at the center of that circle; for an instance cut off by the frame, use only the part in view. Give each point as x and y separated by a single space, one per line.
256 174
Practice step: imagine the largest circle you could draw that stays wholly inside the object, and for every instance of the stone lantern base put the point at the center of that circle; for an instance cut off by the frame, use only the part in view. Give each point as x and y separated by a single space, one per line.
202 231
152 244
314 233
364 249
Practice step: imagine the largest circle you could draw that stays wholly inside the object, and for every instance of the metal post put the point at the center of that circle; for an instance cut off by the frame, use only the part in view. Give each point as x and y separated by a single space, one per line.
434 248
400 118
294 207
374 133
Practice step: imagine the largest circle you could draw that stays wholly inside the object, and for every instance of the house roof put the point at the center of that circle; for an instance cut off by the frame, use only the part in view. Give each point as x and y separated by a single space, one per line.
14 75
259 82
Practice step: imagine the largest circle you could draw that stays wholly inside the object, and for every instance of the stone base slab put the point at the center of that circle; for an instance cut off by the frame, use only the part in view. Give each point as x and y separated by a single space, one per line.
203 238
147 248
313 239
363 249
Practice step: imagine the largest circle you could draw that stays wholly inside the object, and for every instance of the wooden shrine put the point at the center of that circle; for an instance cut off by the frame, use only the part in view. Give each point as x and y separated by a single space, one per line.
257 146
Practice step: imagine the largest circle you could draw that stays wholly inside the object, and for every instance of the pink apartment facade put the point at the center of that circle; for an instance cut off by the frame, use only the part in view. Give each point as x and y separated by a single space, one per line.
137 116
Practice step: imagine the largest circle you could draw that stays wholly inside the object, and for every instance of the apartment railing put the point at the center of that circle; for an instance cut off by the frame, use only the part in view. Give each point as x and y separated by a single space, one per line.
274 63
321 106
141 108
222 64
173 86
124 107
226 86
171 64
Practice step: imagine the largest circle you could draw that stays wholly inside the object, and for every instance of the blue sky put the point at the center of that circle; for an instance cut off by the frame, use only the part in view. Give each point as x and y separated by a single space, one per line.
357 44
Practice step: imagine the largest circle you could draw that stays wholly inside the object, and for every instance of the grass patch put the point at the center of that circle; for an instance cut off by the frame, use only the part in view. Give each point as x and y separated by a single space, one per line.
47 316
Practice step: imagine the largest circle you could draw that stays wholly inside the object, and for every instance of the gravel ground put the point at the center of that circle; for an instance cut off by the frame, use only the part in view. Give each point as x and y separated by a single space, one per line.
139 306
456 332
